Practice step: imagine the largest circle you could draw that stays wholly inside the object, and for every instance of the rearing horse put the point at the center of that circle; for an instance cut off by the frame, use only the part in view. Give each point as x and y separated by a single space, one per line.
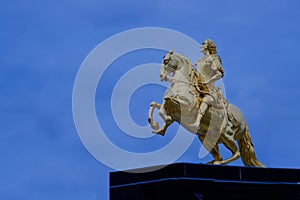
181 103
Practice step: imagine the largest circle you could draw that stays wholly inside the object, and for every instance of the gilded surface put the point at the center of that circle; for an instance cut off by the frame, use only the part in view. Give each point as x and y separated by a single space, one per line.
193 101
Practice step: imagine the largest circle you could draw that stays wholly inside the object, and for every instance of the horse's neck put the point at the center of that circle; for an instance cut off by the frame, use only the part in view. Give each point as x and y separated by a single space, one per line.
183 73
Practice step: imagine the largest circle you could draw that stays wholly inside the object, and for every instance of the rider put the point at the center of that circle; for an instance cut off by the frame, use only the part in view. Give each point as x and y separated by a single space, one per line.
210 70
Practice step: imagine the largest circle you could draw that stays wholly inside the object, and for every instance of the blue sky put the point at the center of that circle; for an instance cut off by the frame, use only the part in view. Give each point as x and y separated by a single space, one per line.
43 44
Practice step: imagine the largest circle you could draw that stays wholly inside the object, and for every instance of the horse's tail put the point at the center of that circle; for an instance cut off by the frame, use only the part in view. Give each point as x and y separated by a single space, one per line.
248 155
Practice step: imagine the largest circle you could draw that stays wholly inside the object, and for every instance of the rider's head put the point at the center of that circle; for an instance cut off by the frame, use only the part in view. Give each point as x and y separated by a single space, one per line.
209 45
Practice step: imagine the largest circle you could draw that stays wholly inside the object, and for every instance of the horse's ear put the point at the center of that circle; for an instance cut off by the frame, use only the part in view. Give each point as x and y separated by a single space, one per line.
172 51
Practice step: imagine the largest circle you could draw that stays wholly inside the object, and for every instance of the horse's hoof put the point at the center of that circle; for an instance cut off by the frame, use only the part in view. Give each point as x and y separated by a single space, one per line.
159 132
155 126
168 119
214 162
210 162
217 162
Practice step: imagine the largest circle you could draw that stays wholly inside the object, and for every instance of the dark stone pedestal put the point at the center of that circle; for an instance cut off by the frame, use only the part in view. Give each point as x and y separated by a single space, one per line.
199 181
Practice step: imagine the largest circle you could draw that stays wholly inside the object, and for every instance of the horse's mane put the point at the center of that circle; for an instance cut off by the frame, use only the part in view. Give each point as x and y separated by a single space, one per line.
191 70
185 59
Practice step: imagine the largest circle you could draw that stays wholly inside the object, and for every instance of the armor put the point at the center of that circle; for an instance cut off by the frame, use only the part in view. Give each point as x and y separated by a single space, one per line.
210 70
208 65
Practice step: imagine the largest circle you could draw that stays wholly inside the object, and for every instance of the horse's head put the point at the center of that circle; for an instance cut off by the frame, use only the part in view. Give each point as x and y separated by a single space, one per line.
169 65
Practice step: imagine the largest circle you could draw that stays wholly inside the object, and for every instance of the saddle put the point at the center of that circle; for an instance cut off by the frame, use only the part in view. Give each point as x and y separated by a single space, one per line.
219 101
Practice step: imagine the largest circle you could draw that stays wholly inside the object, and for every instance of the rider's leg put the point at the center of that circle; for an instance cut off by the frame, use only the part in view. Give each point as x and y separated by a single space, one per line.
203 107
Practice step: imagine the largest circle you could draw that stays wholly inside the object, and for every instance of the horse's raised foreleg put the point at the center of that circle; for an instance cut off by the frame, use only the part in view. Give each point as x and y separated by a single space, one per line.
163 113
162 131
167 119
153 105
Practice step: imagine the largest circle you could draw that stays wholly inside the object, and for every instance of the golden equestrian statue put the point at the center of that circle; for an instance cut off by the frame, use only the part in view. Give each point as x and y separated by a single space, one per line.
196 104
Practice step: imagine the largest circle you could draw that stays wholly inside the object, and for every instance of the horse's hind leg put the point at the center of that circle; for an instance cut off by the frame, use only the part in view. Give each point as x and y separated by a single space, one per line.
230 143
214 152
